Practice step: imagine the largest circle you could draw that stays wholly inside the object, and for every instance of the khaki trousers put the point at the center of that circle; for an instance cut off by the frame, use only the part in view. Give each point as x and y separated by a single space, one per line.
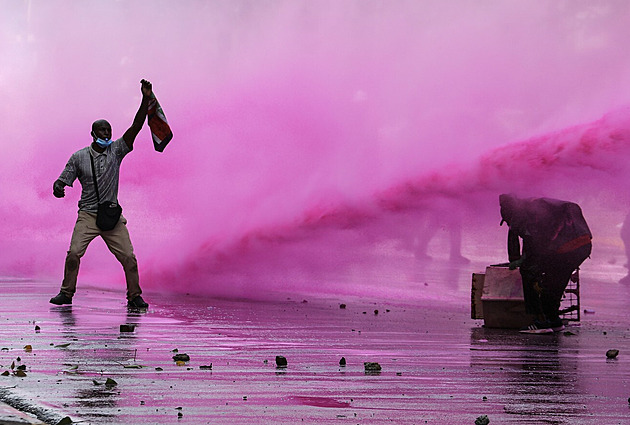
118 242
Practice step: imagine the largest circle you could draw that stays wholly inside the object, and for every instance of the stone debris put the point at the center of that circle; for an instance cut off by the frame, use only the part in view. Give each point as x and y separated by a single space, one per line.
207 367
342 306
281 361
482 420
372 367
611 354
65 421
183 357
127 327
110 383
342 362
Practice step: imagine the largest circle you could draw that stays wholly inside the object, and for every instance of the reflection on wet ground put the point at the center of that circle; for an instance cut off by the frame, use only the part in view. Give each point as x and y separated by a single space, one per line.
438 366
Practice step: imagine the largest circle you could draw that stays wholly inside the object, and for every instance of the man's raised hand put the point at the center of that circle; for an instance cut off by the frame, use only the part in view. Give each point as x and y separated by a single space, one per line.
147 88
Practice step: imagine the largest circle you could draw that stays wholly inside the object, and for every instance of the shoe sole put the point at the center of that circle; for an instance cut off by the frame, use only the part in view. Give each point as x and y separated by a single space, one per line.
537 331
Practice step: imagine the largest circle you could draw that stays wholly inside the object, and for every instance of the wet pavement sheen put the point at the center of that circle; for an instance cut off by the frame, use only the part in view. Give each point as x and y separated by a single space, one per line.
438 366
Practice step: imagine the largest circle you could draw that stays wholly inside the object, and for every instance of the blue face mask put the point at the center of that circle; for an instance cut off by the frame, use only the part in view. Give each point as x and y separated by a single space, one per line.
103 143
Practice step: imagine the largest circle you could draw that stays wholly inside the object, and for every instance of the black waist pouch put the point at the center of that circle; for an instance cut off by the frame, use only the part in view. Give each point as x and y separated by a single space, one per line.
108 215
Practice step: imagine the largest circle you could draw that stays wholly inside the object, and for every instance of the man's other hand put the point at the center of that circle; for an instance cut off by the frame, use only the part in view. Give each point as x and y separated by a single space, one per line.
59 189
515 264
147 88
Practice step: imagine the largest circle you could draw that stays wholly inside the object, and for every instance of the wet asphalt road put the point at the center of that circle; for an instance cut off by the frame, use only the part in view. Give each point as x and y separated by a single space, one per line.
438 366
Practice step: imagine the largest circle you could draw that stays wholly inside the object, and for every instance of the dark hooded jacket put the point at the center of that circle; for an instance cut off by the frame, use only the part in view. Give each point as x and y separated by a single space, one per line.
547 226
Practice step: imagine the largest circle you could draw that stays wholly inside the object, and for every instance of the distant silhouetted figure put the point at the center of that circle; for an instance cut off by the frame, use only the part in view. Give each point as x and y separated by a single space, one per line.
625 237
97 167
442 213
556 240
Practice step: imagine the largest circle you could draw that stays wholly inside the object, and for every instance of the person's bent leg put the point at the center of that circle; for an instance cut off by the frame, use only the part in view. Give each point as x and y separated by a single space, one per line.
84 232
553 285
531 277
557 276
119 243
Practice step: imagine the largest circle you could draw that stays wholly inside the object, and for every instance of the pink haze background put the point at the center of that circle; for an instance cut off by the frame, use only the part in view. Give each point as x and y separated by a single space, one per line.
316 142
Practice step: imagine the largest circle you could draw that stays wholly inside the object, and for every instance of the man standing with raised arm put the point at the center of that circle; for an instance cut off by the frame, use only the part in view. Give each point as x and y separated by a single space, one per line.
100 163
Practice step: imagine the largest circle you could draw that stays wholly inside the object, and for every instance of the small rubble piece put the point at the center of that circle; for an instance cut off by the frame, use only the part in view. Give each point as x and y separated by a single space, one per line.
65 421
183 357
281 361
110 383
587 311
371 367
37 328
342 306
28 348
375 312
127 327
482 420
342 362
207 367
611 354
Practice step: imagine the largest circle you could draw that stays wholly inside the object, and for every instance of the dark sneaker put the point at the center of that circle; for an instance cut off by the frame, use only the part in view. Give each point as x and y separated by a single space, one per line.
537 328
61 299
556 325
137 302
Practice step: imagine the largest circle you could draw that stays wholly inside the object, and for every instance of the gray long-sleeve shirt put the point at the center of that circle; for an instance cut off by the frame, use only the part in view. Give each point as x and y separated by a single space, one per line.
107 167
